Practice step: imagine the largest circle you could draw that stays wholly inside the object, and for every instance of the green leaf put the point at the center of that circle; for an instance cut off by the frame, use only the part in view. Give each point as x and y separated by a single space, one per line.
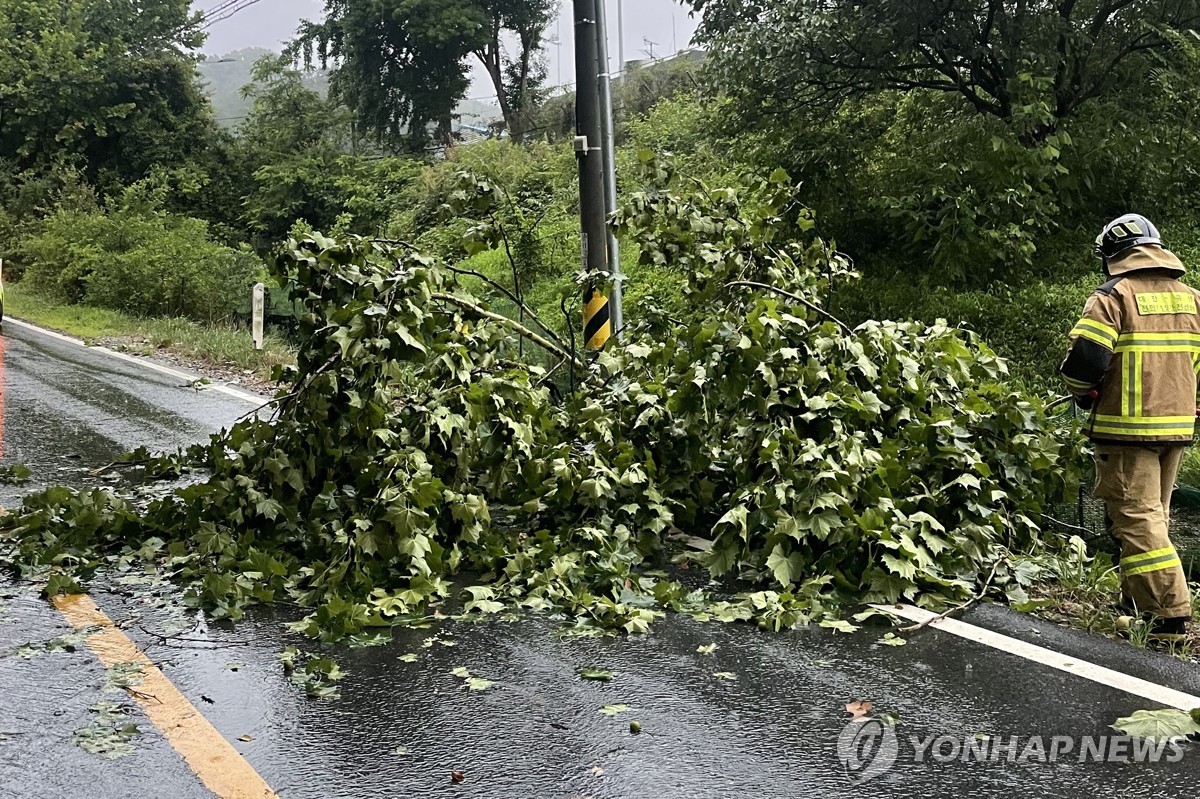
840 625
785 568
485 606
724 675
600 675
612 710
1158 725
903 568
706 649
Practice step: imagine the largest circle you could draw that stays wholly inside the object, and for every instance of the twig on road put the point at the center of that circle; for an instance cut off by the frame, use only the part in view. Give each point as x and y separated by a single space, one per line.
166 640
958 608
117 465
136 694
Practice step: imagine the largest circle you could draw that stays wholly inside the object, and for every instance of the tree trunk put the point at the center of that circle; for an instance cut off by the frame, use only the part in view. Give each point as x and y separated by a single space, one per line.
517 130
489 56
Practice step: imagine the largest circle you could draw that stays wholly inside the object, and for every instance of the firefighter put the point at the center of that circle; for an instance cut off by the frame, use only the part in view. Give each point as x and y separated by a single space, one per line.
1133 363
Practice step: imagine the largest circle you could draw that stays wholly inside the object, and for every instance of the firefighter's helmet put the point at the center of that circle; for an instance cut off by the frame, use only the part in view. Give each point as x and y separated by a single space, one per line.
1125 233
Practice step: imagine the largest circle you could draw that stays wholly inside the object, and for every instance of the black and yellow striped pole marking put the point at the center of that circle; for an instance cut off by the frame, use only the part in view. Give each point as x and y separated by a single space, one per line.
599 315
597 321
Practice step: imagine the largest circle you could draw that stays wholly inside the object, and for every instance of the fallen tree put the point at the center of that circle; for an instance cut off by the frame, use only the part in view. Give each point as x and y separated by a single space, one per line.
414 452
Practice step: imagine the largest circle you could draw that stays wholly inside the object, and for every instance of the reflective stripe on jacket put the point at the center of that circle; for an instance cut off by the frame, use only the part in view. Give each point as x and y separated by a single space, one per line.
1138 345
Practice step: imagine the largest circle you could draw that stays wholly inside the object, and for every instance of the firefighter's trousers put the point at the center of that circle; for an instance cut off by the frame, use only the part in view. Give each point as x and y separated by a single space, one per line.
1135 483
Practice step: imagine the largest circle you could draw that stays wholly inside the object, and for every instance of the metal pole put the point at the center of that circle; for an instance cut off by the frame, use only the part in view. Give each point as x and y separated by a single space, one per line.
608 147
597 321
621 36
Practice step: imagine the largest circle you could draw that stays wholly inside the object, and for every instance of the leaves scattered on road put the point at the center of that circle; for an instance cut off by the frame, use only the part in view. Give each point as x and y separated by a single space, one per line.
315 675
14 475
123 676
110 734
472 682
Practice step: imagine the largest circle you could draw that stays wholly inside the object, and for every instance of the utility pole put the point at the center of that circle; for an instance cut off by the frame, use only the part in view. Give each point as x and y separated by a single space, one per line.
621 37
609 151
597 317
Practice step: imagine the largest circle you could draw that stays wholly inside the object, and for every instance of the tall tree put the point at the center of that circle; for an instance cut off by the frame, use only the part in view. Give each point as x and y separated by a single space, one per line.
517 81
403 66
108 85
1031 63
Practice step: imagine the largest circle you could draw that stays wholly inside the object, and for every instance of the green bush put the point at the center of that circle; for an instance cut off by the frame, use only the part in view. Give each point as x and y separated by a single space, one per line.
136 258
327 189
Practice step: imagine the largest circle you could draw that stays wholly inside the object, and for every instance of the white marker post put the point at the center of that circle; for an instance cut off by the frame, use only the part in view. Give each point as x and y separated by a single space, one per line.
256 320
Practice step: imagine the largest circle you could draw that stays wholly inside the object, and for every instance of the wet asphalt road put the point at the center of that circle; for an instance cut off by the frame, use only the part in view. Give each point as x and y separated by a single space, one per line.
400 728
66 410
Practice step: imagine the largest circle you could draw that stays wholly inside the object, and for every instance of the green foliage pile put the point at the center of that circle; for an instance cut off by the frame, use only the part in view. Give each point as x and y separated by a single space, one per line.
415 453
134 256
1027 323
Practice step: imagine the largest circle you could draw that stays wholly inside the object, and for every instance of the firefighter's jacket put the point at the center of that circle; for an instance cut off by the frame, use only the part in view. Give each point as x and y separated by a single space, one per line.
1138 346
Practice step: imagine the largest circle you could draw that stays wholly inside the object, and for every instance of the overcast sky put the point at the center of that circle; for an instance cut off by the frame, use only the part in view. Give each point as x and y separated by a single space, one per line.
664 22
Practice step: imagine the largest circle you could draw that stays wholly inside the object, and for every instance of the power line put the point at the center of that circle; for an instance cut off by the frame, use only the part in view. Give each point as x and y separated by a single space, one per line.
226 10
219 7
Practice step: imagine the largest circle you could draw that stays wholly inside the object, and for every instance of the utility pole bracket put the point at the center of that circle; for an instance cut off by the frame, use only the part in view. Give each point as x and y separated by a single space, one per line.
581 145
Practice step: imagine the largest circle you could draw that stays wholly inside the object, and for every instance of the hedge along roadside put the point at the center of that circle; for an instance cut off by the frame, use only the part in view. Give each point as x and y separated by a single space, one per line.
413 451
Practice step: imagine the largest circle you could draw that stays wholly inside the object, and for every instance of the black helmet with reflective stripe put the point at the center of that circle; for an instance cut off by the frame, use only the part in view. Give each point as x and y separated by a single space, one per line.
1125 233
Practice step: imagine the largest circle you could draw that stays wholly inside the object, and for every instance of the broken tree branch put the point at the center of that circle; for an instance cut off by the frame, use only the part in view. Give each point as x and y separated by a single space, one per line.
515 300
958 608
541 341
795 297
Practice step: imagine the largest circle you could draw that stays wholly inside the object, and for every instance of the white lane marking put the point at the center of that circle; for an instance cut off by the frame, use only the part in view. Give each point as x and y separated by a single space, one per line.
244 396
1153 692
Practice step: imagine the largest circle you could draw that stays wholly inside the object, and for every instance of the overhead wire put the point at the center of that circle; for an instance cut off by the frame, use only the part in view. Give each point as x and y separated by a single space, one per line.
219 7
226 10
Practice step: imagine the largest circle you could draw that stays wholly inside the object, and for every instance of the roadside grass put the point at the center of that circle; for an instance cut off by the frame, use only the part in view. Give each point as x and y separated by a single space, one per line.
1189 470
218 346
1079 589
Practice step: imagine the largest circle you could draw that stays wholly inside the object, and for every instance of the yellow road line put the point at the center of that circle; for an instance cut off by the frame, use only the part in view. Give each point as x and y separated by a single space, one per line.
218 765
